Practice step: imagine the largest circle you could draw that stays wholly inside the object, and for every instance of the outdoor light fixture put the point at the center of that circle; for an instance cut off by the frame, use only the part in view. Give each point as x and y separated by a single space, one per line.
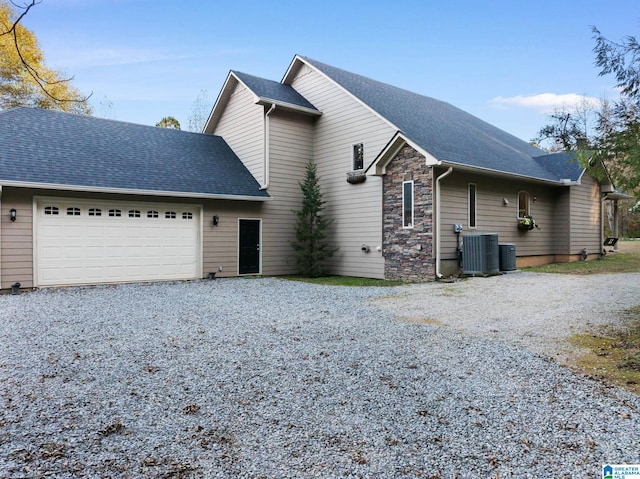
12 214
216 219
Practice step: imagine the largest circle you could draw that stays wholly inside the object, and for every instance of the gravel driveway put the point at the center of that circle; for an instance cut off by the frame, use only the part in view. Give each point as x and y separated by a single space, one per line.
275 379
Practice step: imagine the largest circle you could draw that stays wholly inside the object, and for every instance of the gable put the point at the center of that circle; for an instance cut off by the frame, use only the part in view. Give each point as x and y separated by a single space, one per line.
438 129
54 149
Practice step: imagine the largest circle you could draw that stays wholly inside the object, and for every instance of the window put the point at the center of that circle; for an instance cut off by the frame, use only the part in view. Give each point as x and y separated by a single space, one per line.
73 211
187 216
134 213
95 212
51 210
472 205
152 214
170 214
407 204
523 204
358 156
115 213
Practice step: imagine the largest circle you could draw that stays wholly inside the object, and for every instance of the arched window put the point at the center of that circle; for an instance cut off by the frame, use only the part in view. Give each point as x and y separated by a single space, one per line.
523 204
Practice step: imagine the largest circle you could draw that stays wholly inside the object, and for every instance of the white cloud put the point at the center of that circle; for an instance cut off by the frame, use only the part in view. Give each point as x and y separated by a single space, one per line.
545 102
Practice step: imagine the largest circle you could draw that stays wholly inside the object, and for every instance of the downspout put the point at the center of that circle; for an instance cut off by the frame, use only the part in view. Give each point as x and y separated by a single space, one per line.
265 183
437 228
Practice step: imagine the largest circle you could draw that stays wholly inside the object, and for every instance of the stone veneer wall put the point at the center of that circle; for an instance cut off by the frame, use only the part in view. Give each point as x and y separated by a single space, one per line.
408 252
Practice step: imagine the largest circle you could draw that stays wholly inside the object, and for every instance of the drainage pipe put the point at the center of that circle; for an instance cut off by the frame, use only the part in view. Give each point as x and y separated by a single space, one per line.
265 175
437 222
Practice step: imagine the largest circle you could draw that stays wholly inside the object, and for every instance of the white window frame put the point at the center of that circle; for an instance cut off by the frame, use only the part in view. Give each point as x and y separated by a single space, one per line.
354 149
528 205
410 224
473 186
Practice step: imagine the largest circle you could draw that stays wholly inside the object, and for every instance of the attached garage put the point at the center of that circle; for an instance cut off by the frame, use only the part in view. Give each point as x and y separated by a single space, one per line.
80 241
90 201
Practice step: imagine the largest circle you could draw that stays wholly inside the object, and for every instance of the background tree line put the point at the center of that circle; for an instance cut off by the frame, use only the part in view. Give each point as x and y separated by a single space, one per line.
607 131
26 80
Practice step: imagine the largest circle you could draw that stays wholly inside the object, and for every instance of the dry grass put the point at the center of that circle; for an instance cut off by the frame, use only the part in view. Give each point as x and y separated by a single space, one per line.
629 247
613 355
626 260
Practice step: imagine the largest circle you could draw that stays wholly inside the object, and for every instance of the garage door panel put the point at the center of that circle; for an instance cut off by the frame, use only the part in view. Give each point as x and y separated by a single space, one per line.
89 249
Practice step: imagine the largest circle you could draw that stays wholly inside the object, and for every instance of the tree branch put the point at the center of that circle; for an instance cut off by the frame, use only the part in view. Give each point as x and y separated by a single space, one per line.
33 72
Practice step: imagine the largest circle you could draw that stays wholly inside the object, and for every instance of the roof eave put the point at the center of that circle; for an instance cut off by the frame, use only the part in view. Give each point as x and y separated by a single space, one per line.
292 71
128 191
506 174
399 140
288 106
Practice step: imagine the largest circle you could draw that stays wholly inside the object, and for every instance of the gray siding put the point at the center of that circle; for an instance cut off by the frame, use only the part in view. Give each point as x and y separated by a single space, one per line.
291 148
584 216
493 216
356 210
242 127
219 243
16 241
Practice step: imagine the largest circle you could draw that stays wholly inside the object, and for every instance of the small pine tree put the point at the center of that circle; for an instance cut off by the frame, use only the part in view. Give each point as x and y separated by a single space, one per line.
310 244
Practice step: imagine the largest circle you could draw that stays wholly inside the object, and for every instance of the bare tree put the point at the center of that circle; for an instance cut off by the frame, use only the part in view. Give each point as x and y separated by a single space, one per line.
200 110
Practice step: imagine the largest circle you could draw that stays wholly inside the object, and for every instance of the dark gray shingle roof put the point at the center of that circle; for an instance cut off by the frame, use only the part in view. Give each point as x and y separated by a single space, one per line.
448 133
50 147
274 90
563 165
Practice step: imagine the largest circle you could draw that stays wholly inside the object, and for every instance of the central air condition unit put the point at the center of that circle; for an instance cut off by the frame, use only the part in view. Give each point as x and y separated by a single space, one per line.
507 257
480 254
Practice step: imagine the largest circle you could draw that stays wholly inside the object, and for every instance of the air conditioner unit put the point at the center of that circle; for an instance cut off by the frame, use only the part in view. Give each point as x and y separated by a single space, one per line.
480 254
507 257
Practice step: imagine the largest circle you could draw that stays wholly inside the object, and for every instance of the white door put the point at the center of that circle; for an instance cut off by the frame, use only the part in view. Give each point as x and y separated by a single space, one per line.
80 241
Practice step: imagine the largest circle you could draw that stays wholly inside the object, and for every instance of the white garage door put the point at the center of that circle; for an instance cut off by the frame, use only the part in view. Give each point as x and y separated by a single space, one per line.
89 242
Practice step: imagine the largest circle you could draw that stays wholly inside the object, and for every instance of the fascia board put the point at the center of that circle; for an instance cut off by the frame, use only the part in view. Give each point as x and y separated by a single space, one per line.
220 103
392 148
292 71
503 174
127 191
288 106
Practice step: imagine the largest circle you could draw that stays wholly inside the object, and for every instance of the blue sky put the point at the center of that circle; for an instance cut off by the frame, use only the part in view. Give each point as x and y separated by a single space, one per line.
507 62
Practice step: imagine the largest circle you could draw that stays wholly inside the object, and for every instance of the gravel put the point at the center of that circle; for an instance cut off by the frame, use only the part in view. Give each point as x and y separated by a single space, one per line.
269 378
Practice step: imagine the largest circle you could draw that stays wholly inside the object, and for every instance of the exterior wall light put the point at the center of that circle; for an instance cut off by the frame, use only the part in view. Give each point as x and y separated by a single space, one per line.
216 220
12 214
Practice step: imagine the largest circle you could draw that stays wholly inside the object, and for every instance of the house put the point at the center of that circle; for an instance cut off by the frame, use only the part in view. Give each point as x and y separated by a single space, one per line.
87 201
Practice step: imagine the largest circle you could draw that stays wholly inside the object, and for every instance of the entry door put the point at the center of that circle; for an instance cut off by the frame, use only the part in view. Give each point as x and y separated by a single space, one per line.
249 247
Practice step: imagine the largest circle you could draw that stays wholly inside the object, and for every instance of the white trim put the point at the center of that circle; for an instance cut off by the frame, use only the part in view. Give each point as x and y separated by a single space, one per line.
288 106
475 205
528 203
127 191
238 248
413 205
391 150
218 100
353 156
438 230
34 241
266 138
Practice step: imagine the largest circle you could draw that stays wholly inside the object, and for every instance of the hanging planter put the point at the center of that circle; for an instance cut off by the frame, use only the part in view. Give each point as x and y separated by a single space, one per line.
527 223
